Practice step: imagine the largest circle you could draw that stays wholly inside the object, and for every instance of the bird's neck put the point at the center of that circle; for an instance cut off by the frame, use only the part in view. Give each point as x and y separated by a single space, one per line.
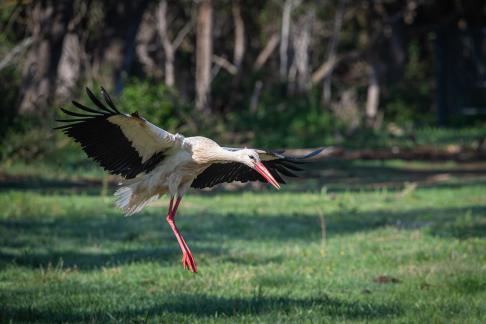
215 155
225 156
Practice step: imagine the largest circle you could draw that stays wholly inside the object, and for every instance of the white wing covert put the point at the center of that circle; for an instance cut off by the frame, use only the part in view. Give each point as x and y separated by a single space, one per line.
122 144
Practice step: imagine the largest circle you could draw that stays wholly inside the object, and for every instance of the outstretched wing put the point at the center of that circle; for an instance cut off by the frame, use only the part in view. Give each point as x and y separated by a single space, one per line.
276 163
122 144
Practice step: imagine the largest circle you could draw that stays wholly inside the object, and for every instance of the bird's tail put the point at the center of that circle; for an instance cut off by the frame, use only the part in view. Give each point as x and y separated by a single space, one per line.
131 199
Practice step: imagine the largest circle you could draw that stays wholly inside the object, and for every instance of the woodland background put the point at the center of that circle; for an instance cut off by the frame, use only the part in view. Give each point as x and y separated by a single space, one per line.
290 73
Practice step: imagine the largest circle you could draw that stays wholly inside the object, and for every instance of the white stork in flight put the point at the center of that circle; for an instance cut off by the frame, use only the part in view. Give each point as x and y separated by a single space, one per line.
154 161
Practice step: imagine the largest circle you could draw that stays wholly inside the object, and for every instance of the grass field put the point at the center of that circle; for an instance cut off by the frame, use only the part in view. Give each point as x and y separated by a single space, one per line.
366 241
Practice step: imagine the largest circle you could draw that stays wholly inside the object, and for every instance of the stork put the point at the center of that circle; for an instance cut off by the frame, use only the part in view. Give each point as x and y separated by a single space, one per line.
154 162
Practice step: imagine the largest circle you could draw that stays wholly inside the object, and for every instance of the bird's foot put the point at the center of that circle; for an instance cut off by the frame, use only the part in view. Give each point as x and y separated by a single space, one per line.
188 262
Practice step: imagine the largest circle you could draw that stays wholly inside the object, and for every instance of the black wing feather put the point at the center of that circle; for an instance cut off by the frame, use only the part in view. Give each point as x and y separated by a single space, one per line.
75 114
284 171
104 141
108 100
71 120
83 107
228 172
97 102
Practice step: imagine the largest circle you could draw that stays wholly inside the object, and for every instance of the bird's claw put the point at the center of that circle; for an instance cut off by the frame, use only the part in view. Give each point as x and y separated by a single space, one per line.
188 262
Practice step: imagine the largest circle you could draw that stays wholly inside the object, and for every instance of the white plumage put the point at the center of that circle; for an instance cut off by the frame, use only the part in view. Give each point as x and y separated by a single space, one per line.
154 162
173 176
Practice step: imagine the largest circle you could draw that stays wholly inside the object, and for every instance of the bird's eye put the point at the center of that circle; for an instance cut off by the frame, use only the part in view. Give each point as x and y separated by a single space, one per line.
252 157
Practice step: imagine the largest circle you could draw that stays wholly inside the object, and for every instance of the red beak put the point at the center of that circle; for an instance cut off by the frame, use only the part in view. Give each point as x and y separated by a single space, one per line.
266 174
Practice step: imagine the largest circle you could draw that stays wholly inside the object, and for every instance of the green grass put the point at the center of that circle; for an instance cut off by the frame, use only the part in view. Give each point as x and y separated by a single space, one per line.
358 244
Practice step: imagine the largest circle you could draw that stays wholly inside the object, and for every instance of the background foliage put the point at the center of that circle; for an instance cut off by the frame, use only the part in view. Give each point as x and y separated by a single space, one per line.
396 41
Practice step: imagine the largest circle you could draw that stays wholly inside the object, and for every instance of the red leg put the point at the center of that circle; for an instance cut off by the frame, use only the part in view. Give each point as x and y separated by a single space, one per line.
187 258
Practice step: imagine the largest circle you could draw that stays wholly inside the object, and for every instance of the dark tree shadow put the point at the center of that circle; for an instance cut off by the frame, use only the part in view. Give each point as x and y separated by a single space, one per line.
334 174
201 306
148 238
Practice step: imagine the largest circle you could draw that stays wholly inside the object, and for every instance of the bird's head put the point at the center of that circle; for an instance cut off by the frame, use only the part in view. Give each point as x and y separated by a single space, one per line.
251 158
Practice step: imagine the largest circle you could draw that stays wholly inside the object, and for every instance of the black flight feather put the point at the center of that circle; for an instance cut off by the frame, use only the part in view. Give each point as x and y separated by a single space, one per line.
104 141
97 102
228 172
108 100
71 113
83 107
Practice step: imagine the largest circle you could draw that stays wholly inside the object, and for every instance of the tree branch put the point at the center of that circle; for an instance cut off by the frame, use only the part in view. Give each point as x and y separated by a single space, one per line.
328 66
325 69
14 52
182 34
225 64
267 51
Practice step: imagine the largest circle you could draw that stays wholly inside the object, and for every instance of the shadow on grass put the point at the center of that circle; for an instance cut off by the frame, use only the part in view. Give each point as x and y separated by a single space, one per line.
335 175
91 242
343 175
89 261
203 306
53 186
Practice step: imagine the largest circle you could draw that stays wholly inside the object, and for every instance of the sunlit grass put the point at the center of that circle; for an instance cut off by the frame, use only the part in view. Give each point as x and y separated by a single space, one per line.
318 255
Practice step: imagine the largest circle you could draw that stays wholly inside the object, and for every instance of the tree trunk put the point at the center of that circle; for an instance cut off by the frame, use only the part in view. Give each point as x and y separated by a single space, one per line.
69 69
115 50
331 52
255 97
204 53
49 24
239 49
373 97
145 50
284 39
170 46
169 68
166 43
73 62
302 42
